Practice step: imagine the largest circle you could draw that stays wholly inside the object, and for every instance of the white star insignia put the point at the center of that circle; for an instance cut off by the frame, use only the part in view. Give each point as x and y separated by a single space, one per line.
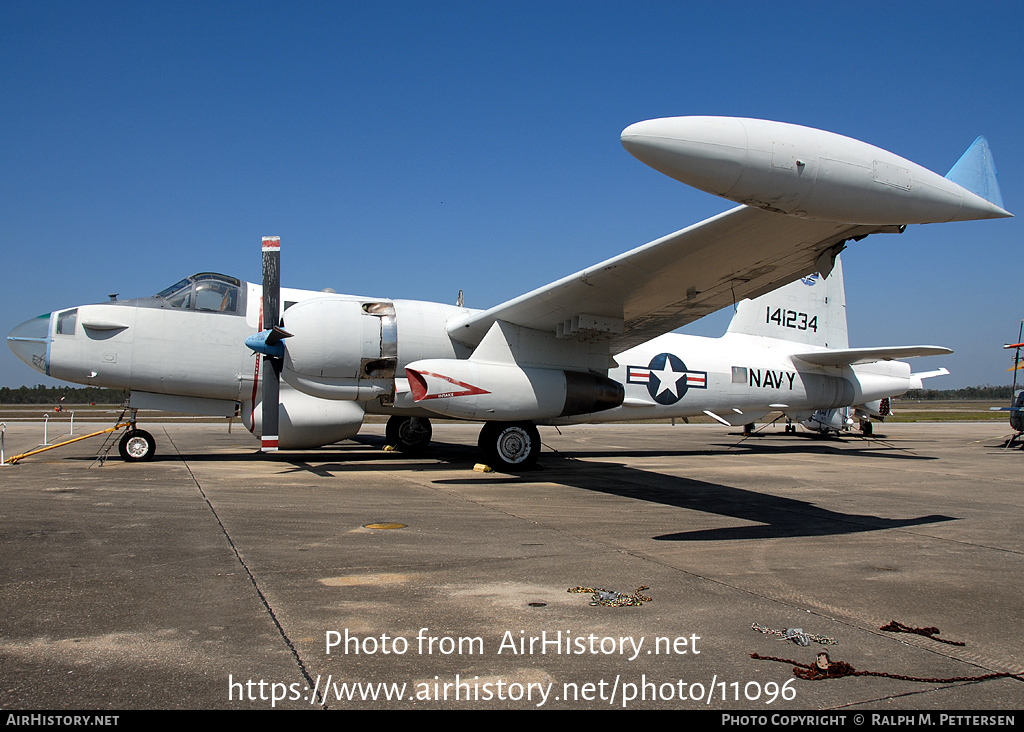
668 380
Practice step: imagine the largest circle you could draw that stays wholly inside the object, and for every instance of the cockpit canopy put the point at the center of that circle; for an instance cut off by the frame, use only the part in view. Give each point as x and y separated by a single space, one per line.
206 291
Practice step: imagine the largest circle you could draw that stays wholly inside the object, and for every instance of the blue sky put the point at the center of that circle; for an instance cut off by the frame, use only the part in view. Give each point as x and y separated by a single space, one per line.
412 149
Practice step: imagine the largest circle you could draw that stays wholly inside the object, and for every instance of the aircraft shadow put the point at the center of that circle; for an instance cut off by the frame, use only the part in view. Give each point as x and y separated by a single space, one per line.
748 447
774 517
359 454
856 446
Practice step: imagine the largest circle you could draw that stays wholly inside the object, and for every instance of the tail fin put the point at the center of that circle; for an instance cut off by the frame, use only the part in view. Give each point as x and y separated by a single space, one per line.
811 311
976 171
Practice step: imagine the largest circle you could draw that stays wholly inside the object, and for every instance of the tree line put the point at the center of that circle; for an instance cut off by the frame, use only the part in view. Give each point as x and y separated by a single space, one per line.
979 393
40 394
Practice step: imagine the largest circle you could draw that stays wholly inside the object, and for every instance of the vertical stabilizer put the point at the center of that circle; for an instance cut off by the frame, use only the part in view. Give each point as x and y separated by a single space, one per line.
811 311
976 171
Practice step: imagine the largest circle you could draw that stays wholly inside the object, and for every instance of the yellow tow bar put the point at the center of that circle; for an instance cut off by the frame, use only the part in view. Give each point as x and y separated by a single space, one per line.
16 458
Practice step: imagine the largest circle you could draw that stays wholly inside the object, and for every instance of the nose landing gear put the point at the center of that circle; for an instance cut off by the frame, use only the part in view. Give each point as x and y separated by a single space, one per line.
137 446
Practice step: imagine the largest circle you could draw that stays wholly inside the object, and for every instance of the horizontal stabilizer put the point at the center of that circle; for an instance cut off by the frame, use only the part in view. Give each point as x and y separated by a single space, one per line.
851 356
916 380
976 171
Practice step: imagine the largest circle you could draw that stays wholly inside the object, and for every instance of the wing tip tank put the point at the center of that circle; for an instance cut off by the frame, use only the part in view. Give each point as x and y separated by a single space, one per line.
814 174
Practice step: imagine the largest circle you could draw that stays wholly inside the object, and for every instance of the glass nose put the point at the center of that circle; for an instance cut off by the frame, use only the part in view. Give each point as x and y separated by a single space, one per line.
30 342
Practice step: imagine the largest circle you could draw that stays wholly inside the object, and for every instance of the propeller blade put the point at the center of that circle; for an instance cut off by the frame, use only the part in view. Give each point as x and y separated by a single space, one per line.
271 322
277 334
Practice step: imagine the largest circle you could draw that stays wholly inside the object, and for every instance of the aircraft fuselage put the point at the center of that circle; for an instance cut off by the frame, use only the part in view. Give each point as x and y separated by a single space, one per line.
196 356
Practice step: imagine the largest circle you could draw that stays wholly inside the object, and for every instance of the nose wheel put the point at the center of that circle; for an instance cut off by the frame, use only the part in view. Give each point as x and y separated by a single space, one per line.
137 446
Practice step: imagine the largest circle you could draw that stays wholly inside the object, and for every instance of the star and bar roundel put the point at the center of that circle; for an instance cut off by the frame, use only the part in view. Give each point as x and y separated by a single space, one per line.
667 378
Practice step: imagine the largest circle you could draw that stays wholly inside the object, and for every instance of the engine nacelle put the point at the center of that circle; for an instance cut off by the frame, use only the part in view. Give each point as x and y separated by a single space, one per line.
488 391
306 421
341 348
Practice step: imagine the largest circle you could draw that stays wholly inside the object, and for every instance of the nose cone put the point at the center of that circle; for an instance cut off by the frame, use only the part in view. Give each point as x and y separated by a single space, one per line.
708 153
30 342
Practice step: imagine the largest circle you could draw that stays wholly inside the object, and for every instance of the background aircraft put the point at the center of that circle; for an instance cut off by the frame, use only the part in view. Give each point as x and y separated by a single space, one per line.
553 354
1016 407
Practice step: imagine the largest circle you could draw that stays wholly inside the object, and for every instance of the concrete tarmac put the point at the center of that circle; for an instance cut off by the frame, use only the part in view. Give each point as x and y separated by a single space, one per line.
214 577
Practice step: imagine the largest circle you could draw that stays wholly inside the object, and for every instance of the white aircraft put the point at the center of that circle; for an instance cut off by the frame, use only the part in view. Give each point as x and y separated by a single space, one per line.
779 346
576 350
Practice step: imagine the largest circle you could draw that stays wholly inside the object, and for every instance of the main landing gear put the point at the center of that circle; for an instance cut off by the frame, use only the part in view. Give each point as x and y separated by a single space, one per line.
505 445
409 434
136 446
510 445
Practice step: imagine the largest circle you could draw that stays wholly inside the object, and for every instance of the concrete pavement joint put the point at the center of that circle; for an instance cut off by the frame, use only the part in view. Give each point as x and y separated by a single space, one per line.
252 579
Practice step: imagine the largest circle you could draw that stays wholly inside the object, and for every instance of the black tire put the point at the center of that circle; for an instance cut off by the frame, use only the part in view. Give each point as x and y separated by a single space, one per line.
867 429
137 446
748 429
409 434
510 445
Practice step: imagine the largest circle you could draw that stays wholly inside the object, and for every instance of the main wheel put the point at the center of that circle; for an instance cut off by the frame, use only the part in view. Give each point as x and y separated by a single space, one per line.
866 428
137 446
409 434
510 445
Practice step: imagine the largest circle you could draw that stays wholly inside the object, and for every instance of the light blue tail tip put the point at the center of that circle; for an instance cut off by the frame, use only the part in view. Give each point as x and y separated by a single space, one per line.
976 171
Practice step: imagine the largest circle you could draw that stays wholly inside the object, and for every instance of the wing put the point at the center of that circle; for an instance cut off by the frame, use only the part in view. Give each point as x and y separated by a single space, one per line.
798 182
675 280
